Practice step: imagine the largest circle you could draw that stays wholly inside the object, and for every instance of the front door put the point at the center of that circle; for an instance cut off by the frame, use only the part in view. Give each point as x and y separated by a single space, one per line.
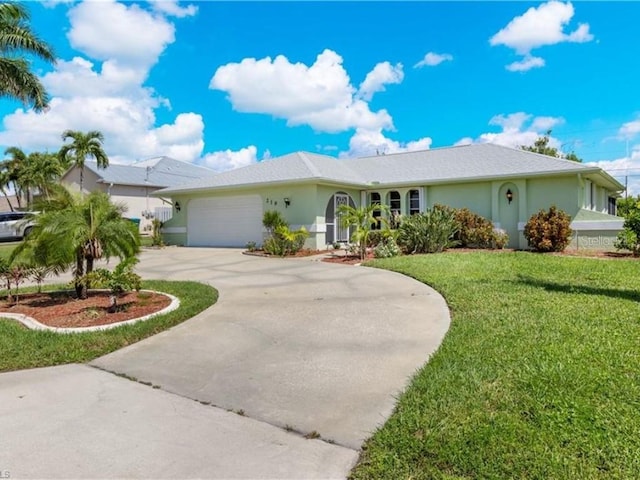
342 233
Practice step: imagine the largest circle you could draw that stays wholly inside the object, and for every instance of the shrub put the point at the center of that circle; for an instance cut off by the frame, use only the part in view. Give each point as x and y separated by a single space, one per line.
475 230
428 232
386 248
282 240
500 238
548 231
628 239
272 219
156 235
122 279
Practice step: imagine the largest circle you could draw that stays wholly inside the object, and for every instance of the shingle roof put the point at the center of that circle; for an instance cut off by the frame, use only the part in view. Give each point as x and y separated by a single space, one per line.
158 172
466 162
293 167
460 163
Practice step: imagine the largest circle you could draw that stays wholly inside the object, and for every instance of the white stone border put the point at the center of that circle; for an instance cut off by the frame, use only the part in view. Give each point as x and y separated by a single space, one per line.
33 324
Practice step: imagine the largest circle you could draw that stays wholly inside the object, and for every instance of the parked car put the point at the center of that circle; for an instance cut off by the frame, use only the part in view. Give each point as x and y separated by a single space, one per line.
13 225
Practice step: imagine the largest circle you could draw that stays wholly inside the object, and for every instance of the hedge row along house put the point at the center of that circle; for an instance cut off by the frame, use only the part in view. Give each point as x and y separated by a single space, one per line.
503 184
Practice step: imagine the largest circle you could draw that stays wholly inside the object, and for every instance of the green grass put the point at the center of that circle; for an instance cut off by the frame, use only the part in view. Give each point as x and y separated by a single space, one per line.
7 247
538 376
23 348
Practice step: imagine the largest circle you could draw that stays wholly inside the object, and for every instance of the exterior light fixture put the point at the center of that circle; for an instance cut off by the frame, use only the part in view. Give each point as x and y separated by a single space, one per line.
287 202
177 205
509 195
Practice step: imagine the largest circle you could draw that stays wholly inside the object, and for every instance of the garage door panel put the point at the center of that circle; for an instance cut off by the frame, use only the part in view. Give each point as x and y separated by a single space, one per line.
224 221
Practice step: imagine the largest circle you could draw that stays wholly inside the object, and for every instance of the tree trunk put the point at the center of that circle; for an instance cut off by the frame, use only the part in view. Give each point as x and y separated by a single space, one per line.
81 290
4 192
89 269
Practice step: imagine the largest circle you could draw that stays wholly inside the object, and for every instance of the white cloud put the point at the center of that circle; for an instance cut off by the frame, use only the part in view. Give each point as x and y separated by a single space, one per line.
463 141
229 160
109 96
527 63
541 26
518 129
382 74
108 30
172 8
629 129
432 59
545 123
373 142
320 95
625 169
537 27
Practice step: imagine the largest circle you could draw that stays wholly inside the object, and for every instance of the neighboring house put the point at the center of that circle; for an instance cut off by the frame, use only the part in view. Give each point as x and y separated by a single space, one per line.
133 184
502 184
10 200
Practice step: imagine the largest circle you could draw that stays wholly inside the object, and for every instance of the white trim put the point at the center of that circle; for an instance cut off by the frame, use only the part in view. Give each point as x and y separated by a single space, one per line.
601 225
174 230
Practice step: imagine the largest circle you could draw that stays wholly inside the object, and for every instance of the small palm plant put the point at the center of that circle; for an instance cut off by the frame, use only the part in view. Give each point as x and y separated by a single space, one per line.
75 230
362 219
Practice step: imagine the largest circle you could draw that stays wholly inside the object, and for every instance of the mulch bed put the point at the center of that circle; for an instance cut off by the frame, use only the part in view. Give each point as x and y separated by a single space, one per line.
62 309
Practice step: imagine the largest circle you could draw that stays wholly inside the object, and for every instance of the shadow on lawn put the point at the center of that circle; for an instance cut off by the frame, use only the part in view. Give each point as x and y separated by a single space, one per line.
632 295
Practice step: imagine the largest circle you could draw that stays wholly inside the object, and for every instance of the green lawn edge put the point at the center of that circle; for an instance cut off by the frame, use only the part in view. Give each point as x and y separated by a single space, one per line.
537 377
22 348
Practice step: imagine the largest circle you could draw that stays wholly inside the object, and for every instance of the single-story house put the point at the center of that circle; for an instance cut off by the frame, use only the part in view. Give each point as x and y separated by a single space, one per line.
133 184
503 184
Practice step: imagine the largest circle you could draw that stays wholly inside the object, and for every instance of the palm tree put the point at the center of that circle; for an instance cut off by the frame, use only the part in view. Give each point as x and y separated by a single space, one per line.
83 145
363 220
17 40
4 183
13 167
41 171
75 230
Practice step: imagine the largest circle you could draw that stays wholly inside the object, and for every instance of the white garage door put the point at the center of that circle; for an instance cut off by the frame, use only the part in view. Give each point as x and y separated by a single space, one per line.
224 221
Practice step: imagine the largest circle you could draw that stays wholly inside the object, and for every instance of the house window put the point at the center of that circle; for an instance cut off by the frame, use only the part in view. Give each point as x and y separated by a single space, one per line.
414 202
394 202
374 199
611 210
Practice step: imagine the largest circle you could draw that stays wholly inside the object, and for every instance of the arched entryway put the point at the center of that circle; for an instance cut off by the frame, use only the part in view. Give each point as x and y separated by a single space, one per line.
509 207
335 231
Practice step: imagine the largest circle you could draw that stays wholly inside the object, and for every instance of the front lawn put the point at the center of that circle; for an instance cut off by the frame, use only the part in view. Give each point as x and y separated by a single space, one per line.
538 377
23 348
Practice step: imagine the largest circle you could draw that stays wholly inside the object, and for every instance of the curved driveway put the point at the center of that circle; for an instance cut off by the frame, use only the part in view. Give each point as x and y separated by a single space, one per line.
294 344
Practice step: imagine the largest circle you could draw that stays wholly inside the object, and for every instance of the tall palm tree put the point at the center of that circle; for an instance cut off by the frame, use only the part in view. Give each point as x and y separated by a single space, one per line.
75 230
16 42
83 145
41 171
13 166
4 183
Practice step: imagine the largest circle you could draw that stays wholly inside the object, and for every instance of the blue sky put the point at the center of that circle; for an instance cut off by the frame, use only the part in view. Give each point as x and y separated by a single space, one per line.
229 84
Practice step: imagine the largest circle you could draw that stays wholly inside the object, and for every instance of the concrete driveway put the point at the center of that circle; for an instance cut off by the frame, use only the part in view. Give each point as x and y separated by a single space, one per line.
293 348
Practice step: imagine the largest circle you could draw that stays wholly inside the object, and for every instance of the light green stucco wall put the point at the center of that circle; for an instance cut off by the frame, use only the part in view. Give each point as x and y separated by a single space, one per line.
307 209
475 196
563 192
308 204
